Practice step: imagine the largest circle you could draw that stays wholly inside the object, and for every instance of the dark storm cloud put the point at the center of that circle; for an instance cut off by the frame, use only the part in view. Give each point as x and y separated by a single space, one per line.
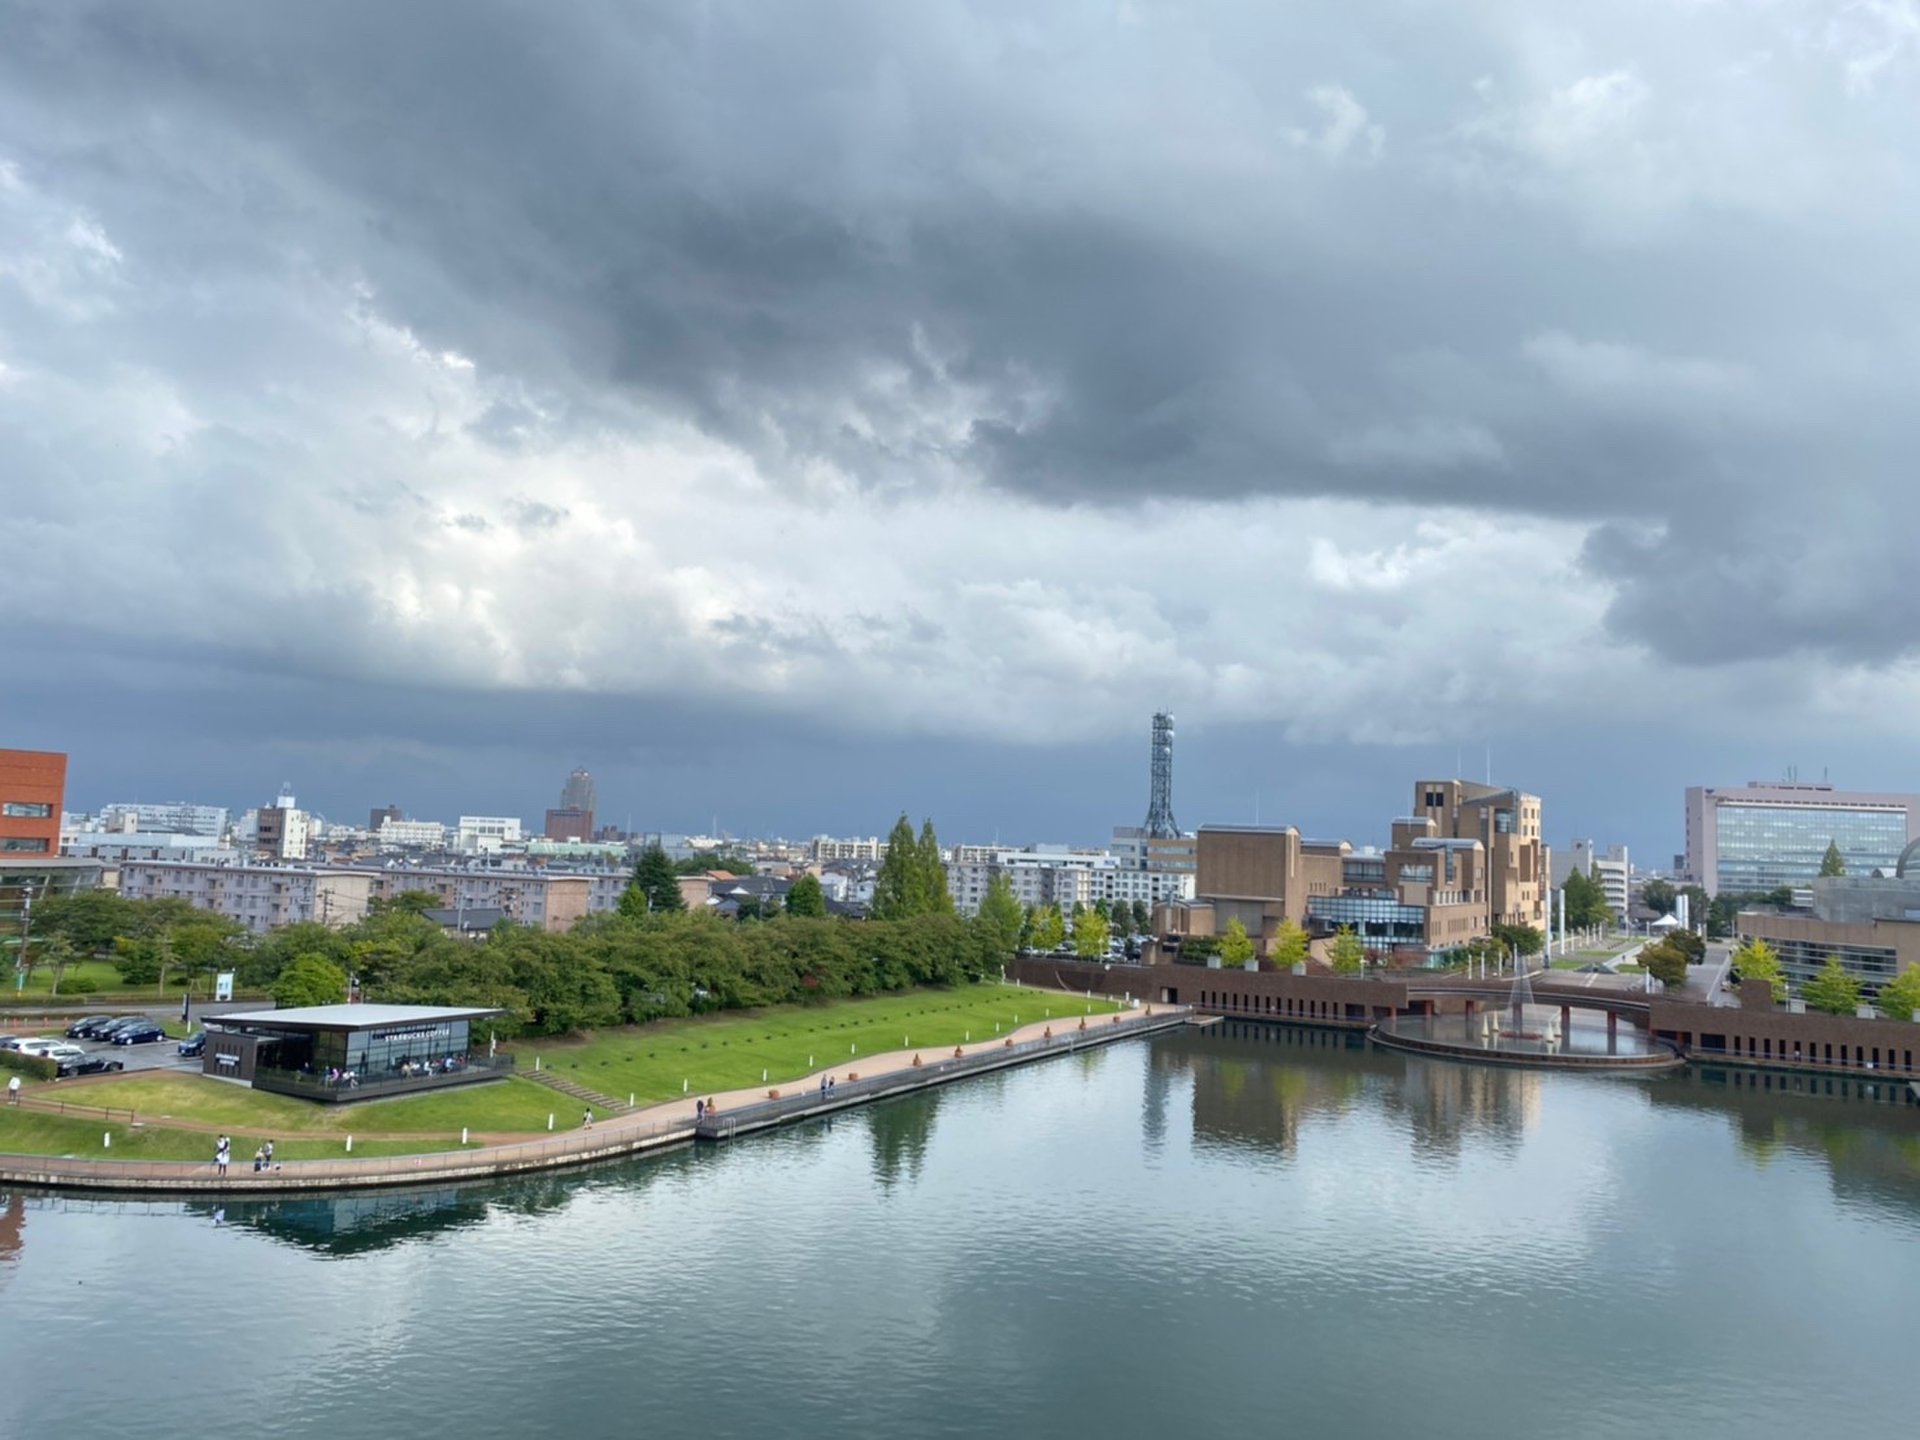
1219 252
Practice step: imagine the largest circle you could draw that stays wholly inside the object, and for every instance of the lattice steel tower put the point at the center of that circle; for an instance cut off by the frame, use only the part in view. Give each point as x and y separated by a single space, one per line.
1160 822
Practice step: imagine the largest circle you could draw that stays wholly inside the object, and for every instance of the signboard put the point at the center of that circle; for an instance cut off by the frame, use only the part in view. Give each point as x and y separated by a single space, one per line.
223 985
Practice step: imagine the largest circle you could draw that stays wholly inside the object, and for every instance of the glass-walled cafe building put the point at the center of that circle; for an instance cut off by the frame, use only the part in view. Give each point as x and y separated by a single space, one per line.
354 1052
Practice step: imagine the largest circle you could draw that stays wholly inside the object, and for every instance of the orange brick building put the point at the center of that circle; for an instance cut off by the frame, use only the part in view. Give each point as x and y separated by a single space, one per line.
33 789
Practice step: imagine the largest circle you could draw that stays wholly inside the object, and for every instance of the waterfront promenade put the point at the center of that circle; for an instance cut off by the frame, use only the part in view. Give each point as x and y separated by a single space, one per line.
655 1127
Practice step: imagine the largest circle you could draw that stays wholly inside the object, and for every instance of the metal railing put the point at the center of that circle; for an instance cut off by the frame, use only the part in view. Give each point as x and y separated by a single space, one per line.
309 1085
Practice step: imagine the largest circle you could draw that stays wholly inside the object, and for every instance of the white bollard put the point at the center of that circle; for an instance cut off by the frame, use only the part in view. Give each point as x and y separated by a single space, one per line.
763 1075
106 1141
463 1134
549 1120
536 1064
852 1048
349 1144
629 1099
683 1087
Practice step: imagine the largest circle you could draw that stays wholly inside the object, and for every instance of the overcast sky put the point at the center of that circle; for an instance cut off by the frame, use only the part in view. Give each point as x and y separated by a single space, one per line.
796 412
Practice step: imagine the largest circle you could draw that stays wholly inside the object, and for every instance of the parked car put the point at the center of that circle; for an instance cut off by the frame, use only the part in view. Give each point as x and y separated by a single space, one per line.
85 1064
144 1033
45 1044
12 1042
100 1028
82 1029
194 1044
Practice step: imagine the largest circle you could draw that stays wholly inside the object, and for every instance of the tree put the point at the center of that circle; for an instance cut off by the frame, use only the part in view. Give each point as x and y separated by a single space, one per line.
1288 947
310 980
57 953
1833 862
1049 929
1689 945
1349 953
1757 960
1657 895
655 887
933 873
1120 918
805 897
1900 997
1142 918
1585 900
896 888
1833 990
1001 918
1090 934
1699 906
1235 946
1665 961
1520 939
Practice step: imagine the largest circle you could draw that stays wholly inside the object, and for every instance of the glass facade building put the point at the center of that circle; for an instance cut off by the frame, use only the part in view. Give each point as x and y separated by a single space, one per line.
1763 847
1380 920
1760 837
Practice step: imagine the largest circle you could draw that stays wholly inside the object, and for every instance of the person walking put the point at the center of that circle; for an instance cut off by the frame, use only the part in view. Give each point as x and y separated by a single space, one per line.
222 1152
13 1090
268 1147
587 1123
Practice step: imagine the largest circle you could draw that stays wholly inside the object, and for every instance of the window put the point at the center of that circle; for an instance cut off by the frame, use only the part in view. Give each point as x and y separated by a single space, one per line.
36 845
25 810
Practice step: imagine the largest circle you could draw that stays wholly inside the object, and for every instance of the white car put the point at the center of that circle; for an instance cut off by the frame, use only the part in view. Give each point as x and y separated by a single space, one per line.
51 1049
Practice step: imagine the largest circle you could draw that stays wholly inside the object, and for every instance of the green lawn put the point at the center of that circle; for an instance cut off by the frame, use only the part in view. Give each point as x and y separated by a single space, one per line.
729 1051
27 1132
510 1105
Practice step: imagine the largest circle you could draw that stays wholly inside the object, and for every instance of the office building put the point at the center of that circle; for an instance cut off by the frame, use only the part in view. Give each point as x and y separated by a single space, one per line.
569 824
486 834
397 834
33 794
1765 835
380 815
164 817
1872 923
1468 857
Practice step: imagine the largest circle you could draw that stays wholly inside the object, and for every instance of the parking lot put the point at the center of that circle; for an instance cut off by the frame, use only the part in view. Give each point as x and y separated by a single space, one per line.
160 1055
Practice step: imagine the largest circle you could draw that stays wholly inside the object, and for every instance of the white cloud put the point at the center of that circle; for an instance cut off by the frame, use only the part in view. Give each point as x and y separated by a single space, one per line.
1344 128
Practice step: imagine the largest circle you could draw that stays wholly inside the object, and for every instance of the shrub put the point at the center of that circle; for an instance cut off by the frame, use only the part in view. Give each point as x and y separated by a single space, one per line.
78 985
37 1066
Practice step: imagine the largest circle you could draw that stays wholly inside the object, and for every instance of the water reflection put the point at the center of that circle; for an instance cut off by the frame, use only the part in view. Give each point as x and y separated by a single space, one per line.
898 1131
1866 1133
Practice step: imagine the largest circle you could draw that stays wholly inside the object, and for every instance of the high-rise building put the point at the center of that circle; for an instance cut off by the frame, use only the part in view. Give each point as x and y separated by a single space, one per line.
1160 822
379 816
567 823
577 793
1613 870
1765 835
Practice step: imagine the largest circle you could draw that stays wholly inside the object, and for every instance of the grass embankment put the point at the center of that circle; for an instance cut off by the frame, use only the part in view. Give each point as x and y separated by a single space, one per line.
511 1105
729 1051
716 1053
29 1132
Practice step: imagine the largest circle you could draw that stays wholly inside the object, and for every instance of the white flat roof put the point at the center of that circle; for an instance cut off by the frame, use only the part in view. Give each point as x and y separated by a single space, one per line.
350 1017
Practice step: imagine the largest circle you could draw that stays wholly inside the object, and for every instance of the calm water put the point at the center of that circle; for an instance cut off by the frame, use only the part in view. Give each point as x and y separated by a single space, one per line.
1244 1231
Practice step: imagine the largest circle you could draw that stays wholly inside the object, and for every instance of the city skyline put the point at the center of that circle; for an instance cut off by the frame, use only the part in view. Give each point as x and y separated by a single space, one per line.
894 414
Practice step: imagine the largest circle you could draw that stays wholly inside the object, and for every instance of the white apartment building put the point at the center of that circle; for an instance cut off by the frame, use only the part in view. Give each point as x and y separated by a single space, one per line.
823 848
411 835
486 834
1058 875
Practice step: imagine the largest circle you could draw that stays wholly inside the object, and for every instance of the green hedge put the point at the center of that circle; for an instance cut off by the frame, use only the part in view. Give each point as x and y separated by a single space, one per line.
37 1066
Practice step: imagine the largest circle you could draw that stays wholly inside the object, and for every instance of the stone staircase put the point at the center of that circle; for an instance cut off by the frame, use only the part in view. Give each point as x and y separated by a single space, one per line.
590 1099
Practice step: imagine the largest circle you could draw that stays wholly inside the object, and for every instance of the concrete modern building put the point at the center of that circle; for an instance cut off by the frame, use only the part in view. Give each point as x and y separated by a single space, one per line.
1060 875
116 847
1871 923
824 848
166 817
397 834
339 1053
1764 835
486 834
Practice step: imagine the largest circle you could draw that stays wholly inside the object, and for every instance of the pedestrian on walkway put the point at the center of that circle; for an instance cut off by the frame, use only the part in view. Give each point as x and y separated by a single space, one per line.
268 1147
587 1124
222 1151
13 1090
699 1110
